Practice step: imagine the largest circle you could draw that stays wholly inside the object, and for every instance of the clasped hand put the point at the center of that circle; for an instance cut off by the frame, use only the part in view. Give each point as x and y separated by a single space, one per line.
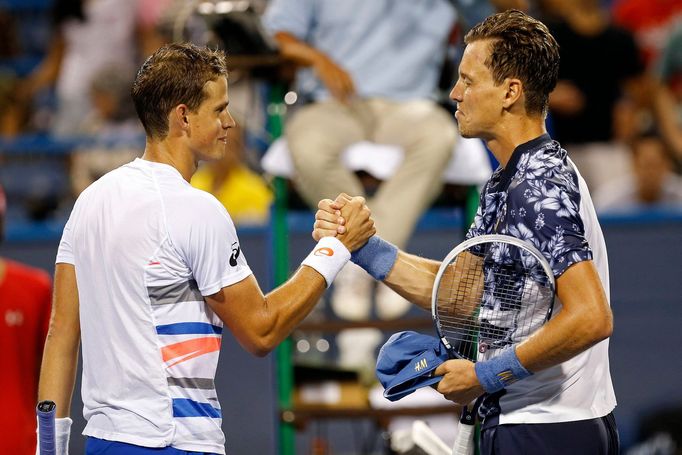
347 218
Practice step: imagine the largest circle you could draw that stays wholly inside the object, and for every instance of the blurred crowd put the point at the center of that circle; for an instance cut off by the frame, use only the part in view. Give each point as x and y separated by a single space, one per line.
66 67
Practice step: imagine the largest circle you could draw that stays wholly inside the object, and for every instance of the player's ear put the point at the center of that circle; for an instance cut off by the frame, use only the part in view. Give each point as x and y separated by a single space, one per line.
179 117
514 90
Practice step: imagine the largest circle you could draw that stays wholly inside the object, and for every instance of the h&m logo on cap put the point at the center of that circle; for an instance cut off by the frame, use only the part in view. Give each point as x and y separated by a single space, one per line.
419 366
324 251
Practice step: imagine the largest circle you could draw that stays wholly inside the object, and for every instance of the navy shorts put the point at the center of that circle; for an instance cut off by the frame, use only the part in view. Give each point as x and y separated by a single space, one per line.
95 446
585 437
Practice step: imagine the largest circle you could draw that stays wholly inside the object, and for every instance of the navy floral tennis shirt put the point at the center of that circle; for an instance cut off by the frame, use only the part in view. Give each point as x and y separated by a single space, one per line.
535 197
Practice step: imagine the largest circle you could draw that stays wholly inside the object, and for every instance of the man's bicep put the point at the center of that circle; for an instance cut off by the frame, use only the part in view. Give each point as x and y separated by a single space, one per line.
581 291
237 305
65 306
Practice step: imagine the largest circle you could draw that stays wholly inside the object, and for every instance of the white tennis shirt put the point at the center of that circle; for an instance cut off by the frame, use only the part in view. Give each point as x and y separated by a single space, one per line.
146 247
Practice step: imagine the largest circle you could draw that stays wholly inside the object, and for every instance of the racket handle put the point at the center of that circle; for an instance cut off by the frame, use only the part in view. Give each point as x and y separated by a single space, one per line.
46 411
464 443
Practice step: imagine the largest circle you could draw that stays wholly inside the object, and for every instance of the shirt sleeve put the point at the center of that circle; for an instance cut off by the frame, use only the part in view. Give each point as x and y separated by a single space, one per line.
206 240
65 252
292 16
546 212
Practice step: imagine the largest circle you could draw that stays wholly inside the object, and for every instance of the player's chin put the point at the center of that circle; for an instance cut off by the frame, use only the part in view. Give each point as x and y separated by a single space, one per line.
464 131
213 154
218 150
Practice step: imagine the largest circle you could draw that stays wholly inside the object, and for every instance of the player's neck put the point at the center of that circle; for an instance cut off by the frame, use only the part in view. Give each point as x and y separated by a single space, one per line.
513 134
167 151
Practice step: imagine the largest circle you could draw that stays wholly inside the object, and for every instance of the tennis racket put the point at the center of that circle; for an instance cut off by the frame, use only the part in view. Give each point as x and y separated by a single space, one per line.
46 411
491 292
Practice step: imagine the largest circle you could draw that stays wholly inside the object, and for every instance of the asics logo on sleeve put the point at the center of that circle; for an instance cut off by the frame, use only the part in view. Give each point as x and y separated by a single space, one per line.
324 252
235 254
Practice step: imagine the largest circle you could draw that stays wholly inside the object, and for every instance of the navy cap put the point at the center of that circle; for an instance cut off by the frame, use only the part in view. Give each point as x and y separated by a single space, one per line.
406 362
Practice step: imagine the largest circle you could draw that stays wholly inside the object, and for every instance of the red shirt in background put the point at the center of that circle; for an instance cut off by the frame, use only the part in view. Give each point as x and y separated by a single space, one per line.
25 296
651 21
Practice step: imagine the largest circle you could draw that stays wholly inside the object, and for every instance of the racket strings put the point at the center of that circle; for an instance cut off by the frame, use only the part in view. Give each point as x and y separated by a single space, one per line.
487 301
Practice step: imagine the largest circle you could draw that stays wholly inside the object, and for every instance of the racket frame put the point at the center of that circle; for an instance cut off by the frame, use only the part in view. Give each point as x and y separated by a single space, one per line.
465 245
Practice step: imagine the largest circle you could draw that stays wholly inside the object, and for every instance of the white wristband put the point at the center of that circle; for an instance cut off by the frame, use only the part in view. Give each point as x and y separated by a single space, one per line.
328 258
63 432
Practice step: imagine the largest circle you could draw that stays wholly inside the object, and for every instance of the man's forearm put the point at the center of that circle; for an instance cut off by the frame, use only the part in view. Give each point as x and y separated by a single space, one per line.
58 372
60 357
296 50
412 277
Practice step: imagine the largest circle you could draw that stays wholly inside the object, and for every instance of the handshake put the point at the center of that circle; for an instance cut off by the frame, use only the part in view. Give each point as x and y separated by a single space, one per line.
346 218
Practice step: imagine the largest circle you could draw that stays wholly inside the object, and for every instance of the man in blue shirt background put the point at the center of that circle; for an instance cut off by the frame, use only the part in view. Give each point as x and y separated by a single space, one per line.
371 70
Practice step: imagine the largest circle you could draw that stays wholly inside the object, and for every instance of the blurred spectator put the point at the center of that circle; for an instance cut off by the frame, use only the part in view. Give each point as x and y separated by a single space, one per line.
651 22
474 11
370 69
9 46
669 67
11 115
89 35
118 134
244 193
25 295
602 89
651 181
669 73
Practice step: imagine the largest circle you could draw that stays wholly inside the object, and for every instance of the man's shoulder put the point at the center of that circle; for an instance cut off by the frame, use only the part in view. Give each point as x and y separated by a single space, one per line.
194 210
189 199
546 161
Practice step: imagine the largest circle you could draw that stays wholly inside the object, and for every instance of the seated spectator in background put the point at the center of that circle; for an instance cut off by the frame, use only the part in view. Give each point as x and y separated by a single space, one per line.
88 36
651 181
370 70
25 294
244 193
592 111
117 135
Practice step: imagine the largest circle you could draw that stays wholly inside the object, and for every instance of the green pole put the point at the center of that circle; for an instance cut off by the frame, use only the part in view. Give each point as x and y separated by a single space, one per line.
470 206
280 248
285 377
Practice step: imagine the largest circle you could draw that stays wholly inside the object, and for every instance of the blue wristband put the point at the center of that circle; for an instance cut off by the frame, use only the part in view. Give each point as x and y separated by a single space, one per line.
377 257
499 372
